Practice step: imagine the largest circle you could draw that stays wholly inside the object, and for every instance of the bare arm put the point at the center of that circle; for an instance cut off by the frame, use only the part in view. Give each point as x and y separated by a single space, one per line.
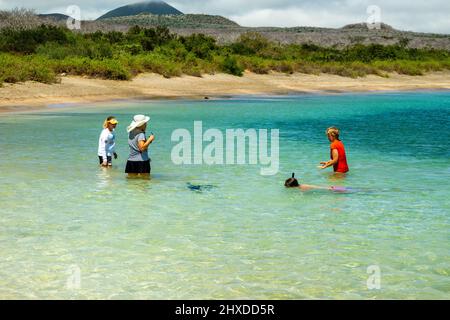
143 145
334 159
305 187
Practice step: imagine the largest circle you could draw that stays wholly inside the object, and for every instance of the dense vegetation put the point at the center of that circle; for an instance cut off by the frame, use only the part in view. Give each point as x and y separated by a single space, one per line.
44 52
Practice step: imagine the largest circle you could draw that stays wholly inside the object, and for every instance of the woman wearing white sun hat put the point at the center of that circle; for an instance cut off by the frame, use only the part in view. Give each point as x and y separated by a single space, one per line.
138 161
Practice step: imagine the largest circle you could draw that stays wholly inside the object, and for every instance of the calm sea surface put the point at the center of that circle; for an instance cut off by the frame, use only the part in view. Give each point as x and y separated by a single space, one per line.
71 230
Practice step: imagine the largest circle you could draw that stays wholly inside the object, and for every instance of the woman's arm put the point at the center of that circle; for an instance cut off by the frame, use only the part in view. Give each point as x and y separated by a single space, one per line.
334 159
311 187
143 145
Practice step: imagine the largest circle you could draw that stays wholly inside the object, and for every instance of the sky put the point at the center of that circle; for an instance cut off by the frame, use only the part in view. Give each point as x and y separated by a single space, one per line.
412 15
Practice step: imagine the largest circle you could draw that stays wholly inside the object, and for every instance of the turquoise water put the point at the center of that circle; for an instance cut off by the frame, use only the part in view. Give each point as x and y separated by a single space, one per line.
245 237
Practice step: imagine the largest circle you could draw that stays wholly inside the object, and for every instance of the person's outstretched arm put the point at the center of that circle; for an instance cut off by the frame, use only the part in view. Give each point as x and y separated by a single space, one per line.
334 159
305 187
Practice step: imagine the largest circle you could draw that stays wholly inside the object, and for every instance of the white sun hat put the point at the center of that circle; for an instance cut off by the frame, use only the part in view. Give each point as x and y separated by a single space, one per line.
138 120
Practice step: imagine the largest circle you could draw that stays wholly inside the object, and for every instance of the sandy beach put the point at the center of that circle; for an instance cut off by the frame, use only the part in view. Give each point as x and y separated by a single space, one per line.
34 96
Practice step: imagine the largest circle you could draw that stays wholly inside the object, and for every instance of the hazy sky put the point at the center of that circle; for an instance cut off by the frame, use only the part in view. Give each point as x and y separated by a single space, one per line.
415 15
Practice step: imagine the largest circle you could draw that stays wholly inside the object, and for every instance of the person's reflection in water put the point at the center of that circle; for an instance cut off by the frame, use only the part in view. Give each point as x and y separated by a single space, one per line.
103 179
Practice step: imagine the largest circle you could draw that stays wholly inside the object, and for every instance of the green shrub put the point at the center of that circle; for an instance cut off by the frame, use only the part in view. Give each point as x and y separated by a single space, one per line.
230 65
109 69
133 48
307 67
339 69
401 67
284 67
54 50
200 45
114 37
27 40
256 64
408 68
19 69
159 64
250 43
106 68
153 37
83 48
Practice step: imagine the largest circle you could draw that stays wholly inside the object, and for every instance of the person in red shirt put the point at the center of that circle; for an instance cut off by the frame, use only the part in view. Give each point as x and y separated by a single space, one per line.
337 152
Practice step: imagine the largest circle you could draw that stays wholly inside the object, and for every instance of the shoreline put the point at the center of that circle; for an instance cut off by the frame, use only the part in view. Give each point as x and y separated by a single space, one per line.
74 90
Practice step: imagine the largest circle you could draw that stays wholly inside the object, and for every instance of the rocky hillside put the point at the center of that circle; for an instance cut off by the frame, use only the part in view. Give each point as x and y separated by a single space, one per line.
54 16
330 37
226 31
195 21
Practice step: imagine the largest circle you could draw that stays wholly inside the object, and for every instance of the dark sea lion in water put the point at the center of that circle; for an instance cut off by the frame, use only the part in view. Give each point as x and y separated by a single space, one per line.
199 187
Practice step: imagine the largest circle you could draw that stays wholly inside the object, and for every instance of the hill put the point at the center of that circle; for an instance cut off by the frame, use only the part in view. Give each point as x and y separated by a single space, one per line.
363 27
54 16
148 7
173 21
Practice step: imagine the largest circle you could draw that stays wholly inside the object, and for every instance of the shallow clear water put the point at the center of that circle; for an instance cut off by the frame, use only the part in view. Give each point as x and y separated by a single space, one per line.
248 237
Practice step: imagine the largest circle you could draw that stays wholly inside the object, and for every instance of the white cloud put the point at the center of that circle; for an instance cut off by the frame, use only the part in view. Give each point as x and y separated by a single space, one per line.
229 7
292 17
86 14
414 15
427 22
89 9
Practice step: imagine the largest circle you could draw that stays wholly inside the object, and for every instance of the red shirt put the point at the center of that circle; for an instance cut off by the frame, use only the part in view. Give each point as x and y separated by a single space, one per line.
341 165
